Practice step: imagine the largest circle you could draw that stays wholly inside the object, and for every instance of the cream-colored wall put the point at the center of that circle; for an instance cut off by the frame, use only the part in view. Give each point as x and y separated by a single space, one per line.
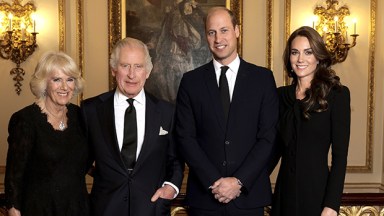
95 67
379 66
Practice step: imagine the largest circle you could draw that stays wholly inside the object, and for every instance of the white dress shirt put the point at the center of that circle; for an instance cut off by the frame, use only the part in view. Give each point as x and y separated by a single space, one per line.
120 105
231 73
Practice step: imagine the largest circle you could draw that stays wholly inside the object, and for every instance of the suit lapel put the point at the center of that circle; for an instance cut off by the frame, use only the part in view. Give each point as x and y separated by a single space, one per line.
106 117
213 91
152 128
239 89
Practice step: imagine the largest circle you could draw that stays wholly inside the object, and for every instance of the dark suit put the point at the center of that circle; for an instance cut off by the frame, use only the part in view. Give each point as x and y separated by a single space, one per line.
241 148
115 191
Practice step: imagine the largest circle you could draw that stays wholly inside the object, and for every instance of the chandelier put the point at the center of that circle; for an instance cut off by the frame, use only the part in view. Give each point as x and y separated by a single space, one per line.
17 36
331 23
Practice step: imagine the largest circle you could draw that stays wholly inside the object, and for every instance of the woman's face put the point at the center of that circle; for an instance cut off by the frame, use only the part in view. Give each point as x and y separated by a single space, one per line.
302 59
60 88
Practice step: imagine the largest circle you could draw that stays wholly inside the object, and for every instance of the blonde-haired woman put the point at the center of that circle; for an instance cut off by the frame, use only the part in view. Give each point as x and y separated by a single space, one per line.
47 153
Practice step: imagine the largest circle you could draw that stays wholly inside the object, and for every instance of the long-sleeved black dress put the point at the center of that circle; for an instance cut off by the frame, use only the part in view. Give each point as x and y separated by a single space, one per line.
305 183
45 171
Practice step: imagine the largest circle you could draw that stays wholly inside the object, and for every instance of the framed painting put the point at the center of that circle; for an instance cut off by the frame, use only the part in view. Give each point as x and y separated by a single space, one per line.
174 32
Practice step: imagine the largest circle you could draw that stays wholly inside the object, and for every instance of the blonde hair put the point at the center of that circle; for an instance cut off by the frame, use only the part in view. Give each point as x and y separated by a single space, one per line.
49 63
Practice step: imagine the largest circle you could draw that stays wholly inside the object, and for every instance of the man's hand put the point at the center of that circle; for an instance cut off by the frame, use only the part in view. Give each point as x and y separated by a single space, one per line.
165 192
226 189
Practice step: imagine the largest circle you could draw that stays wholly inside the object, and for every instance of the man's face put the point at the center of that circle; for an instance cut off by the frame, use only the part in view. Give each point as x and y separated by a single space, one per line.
222 36
131 72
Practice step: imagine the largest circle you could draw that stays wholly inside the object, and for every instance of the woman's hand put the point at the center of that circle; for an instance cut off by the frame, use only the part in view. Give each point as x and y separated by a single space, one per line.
13 212
328 212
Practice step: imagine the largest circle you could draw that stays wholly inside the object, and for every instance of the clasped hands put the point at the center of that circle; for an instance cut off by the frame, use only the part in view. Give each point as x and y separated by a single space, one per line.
226 189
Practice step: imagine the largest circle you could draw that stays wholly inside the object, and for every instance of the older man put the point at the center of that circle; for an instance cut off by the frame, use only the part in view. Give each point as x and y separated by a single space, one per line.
137 171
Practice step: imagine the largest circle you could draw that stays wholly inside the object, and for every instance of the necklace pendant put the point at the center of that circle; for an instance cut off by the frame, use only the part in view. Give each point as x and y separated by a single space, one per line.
61 126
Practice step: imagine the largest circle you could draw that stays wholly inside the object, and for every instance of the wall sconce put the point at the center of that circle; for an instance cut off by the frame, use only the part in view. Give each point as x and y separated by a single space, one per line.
331 23
17 36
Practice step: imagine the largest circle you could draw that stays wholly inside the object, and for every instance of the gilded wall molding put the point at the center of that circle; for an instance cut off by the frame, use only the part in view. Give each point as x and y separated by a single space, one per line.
237 8
371 93
371 86
62 25
114 30
286 80
361 211
80 40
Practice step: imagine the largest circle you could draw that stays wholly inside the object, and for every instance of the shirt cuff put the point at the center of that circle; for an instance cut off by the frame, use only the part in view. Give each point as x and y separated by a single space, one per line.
174 187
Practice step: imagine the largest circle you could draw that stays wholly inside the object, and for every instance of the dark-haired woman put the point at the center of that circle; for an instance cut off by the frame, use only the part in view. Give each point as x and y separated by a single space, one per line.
314 118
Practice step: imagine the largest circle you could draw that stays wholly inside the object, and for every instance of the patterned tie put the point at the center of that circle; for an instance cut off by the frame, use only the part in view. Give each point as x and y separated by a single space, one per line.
128 151
224 90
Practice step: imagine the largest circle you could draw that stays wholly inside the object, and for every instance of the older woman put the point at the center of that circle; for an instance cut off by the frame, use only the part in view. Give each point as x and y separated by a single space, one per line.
46 161
314 118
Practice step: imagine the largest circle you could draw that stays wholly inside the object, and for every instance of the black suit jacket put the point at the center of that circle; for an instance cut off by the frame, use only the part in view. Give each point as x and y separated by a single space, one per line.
240 148
115 191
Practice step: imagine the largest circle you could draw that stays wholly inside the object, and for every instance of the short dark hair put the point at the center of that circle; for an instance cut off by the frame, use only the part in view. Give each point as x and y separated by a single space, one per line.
230 13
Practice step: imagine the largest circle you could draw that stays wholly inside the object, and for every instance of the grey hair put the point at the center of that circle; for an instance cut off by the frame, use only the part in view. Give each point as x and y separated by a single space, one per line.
131 42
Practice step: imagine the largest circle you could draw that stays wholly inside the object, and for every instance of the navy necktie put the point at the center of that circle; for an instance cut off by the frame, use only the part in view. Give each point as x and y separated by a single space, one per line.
224 90
128 151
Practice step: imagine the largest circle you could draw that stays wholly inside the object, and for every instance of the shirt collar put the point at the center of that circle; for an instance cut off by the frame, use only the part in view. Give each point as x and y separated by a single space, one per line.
120 98
233 66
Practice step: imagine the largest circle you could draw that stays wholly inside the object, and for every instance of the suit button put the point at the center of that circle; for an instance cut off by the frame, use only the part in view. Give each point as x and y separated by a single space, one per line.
226 142
224 163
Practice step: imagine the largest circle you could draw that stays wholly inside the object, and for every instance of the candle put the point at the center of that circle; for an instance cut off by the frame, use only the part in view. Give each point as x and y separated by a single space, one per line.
354 26
336 19
314 21
22 31
33 16
346 36
325 29
10 16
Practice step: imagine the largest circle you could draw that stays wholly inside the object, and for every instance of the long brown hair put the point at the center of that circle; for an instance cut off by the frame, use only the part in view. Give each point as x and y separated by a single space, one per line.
324 79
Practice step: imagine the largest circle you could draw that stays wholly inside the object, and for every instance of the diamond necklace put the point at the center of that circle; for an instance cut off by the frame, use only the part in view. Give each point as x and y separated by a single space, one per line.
61 124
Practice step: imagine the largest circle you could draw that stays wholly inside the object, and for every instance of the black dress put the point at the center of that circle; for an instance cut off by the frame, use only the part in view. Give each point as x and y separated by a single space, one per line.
305 183
45 171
